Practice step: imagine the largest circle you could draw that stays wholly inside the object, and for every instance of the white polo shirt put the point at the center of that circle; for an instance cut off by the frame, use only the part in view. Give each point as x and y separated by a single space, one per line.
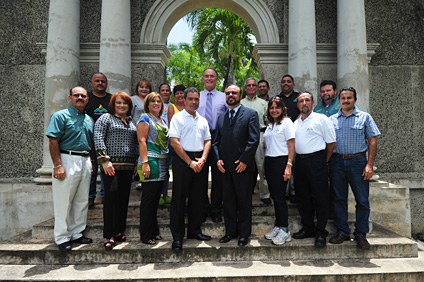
192 132
313 133
276 138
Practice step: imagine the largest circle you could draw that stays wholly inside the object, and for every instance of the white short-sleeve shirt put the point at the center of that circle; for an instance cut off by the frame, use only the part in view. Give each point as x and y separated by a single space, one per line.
276 138
192 132
313 133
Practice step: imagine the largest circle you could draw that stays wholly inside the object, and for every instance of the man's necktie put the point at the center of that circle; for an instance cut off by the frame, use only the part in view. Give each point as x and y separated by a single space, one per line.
231 116
208 112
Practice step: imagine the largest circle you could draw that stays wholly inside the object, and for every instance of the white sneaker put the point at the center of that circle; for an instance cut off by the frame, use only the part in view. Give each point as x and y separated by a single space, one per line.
281 237
271 234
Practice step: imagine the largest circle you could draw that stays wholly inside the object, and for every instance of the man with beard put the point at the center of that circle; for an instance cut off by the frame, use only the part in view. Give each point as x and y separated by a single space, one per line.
235 144
98 104
314 143
70 134
356 134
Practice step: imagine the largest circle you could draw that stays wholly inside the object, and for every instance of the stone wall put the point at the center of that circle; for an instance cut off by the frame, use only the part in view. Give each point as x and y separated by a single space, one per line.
396 76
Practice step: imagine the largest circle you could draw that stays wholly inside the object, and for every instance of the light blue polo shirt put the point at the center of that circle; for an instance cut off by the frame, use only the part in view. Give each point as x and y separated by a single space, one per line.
73 129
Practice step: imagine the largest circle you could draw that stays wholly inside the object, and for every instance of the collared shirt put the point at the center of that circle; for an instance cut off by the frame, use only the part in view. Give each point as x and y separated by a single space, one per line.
291 105
276 136
191 131
353 131
219 105
73 129
259 105
235 111
116 141
313 133
331 109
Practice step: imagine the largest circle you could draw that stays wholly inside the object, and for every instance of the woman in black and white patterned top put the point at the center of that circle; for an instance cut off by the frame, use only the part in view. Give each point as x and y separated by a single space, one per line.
115 138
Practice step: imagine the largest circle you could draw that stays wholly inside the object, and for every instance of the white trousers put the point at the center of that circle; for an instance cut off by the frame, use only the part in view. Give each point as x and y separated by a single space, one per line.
70 198
259 159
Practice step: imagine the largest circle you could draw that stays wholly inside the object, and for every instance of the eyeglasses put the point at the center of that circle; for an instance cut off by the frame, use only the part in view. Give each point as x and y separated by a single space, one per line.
231 93
79 95
250 85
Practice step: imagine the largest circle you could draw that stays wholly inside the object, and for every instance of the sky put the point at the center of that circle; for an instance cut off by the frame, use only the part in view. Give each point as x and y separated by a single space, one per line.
180 33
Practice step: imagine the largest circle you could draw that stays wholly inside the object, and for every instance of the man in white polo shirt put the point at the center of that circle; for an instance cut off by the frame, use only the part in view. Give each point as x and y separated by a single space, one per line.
314 143
191 140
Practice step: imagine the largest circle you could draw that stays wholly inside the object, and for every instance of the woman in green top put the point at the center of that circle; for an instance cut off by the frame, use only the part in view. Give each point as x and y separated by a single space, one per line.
152 134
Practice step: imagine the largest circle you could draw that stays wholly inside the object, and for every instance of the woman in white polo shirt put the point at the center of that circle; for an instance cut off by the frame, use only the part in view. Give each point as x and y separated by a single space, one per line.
279 153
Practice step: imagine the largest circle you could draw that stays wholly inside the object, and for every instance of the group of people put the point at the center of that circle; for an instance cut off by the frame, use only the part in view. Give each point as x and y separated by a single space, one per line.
281 138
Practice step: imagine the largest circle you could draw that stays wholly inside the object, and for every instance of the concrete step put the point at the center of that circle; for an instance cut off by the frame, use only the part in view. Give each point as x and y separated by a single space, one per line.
24 249
260 226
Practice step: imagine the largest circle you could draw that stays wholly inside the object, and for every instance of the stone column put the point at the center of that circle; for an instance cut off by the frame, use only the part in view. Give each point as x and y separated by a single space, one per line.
62 67
302 58
352 63
115 44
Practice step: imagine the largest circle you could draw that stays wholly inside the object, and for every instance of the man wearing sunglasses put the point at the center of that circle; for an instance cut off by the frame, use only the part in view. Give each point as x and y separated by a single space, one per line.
70 134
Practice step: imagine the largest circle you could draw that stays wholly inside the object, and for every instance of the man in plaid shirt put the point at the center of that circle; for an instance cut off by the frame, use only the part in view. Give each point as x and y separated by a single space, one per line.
356 133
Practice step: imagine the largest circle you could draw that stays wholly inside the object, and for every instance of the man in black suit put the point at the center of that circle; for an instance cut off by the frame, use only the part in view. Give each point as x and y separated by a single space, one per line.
235 143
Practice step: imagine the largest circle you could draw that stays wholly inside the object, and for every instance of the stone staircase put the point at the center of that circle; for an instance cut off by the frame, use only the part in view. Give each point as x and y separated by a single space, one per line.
33 256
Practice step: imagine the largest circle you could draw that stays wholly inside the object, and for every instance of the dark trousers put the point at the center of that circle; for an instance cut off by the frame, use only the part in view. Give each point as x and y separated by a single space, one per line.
115 202
237 198
274 174
215 206
312 194
149 203
189 184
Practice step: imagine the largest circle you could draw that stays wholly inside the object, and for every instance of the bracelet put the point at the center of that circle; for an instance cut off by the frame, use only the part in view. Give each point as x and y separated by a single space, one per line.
189 164
290 164
203 159
145 162
57 166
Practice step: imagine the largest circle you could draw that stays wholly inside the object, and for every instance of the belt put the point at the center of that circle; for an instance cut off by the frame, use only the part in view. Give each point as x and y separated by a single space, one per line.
348 157
263 129
304 156
194 154
76 153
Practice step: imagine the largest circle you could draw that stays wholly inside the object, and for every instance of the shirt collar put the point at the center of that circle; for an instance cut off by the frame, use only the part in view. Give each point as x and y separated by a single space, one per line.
74 110
354 113
187 114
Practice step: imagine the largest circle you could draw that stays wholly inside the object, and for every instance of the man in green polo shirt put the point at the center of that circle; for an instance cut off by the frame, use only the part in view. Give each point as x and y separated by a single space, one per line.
70 134
329 99
259 105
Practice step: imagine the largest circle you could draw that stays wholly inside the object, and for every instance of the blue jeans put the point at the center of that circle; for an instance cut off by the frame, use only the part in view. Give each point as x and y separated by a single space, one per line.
93 182
342 173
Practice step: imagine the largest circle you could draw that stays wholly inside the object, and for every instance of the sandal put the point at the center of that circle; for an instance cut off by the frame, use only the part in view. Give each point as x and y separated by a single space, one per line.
109 245
158 237
121 238
150 242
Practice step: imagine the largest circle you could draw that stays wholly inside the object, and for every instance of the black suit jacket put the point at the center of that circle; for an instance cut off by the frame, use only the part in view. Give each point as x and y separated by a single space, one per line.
238 140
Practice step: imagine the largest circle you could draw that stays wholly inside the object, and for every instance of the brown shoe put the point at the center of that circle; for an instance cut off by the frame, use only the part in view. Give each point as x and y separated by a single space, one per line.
362 243
91 203
339 238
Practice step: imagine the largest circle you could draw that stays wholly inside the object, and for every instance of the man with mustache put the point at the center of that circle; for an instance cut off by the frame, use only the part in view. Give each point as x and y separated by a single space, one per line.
314 142
98 104
70 134
329 99
356 133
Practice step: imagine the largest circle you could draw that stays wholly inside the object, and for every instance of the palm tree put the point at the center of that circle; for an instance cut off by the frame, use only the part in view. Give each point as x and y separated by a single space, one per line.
223 38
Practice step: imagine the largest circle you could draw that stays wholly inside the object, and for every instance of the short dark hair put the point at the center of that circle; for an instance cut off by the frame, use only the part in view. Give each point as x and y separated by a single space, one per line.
125 97
263 80
307 92
162 84
210 68
150 98
351 89
98 73
328 82
177 88
191 89
280 104
288 75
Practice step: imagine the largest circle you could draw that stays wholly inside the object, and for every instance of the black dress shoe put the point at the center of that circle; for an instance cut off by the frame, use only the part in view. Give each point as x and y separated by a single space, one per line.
83 240
362 243
64 247
302 235
216 217
266 201
339 238
243 241
177 246
320 242
200 237
226 239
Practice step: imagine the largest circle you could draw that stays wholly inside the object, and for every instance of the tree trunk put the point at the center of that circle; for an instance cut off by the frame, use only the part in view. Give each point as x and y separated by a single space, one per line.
227 73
